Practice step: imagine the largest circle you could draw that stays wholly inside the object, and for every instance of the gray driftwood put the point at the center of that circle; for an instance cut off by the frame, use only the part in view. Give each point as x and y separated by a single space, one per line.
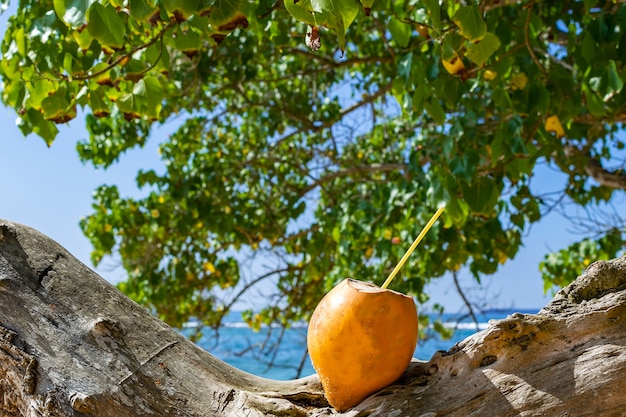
73 345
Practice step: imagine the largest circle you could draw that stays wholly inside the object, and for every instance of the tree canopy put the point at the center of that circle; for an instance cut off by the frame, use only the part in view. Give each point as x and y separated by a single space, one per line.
320 135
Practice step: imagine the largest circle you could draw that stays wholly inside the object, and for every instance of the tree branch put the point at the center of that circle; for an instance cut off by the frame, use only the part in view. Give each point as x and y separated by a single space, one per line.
125 56
594 168
331 63
459 290
612 179
317 128
527 39
360 169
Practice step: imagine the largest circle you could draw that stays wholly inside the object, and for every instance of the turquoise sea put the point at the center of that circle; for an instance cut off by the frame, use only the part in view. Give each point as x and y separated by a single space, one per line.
276 353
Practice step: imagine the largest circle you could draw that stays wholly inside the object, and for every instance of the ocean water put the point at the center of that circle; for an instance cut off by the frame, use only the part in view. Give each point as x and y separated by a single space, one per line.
277 353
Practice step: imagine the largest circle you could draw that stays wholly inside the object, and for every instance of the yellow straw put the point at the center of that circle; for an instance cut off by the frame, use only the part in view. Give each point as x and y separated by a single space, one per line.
408 253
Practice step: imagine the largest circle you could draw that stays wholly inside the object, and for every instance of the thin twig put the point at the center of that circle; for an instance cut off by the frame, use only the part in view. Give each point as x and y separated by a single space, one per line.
467 303
305 354
125 56
527 40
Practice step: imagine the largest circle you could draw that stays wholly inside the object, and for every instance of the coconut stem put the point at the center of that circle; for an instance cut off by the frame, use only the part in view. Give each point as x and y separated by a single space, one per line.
416 242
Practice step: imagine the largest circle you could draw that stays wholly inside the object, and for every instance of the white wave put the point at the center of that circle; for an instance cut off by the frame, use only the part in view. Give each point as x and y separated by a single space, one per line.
302 325
465 326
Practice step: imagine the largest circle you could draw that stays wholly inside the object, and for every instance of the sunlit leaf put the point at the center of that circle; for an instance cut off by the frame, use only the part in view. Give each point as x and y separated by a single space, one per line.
553 125
57 108
470 22
188 42
454 65
594 103
228 15
337 15
106 26
41 89
615 82
99 107
35 122
301 10
400 31
152 90
142 9
480 51
182 9
73 12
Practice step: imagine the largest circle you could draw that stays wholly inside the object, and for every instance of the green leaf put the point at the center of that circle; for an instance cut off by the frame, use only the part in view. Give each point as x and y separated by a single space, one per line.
151 89
457 211
449 91
158 56
470 22
106 26
400 32
186 41
538 97
480 51
399 92
83 38
608 82
434 110
421 92
181 9
336 15
587 47
73 12
18 43
227 15
301 10
595 105
437 194
131 105
434 11
614 82
40 89
481 195
518 168
55 106
516 145
35 122
451 44
141 10
99 107
404 66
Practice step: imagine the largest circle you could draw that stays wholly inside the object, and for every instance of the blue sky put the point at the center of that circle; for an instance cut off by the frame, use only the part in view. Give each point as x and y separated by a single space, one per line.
50 189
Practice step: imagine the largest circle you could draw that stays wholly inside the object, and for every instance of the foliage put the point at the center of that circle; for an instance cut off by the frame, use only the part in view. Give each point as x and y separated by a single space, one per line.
322 164
562 267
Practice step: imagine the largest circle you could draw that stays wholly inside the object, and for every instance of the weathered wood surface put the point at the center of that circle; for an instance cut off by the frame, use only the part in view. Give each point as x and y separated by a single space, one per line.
72 345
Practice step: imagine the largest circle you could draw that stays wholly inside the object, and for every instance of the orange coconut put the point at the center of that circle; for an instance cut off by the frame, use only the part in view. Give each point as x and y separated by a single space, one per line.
361 338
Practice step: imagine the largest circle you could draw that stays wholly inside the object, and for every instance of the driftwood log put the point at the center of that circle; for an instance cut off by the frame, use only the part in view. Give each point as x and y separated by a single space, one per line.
73 345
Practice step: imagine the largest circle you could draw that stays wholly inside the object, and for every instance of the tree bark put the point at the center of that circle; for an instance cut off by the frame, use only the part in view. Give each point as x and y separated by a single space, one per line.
72 345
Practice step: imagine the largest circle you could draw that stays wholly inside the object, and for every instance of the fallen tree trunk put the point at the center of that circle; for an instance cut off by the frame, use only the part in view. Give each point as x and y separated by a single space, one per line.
73 345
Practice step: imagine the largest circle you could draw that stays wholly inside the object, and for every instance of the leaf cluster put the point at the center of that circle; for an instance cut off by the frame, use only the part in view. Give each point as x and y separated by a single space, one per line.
322 165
